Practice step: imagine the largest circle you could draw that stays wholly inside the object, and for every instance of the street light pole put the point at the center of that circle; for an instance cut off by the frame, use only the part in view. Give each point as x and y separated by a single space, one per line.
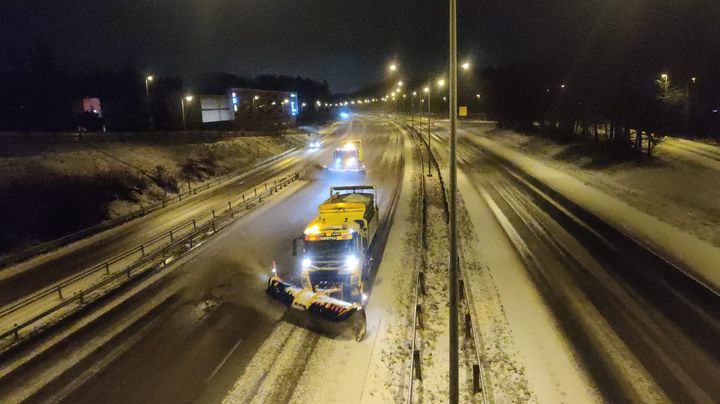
182 106
427 90
452 211
412 110
148 79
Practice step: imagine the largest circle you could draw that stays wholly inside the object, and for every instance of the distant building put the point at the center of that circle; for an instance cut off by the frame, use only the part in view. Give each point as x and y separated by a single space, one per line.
216 108
87 113
248 109
87 104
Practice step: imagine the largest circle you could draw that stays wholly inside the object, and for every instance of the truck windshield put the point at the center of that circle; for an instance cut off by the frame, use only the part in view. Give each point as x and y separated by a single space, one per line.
343 154
329 250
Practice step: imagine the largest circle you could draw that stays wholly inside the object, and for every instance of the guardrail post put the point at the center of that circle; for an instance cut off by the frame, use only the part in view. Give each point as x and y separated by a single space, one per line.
107 268
213 213
461 289
171 236
418 314
142 249
468 326
266 185
82 297
255 189
476 378
194 225
421 278
417 364
213 226
230 209
60 292
243 195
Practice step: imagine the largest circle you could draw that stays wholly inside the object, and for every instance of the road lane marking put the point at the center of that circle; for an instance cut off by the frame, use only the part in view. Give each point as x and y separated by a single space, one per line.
222 362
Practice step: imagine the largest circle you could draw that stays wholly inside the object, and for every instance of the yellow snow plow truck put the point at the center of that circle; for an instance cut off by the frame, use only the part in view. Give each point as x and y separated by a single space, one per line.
335 257
348 158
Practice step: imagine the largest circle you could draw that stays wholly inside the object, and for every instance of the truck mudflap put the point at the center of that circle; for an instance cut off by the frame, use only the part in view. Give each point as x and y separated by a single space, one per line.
332 317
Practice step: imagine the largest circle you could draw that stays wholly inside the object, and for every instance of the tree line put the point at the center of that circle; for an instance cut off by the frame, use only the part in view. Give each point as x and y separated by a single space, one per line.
38 96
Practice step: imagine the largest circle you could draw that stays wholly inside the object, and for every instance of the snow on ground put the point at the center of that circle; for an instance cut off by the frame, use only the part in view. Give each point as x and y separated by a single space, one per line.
434 335
341 371
703 154
679 187
95 181
669 238
526 354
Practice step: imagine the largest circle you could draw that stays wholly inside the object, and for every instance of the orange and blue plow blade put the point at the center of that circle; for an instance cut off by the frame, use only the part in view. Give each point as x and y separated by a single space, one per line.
332 317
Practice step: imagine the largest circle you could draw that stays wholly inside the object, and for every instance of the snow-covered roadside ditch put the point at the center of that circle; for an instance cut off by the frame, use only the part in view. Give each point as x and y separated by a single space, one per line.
340 371
698 258
525 356
524 351
677 186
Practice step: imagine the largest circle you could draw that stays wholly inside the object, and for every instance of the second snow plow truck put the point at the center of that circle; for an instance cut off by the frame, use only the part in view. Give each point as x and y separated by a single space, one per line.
348 158
334 258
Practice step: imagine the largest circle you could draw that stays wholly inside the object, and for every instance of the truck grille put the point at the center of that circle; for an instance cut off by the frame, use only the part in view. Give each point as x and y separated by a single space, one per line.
328 278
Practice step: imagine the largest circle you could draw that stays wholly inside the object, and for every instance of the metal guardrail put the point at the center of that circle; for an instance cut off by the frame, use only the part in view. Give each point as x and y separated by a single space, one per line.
178 240
415 362
465 297
35 250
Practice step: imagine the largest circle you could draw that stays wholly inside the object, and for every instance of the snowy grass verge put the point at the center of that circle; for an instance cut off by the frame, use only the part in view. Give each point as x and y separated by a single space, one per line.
697 258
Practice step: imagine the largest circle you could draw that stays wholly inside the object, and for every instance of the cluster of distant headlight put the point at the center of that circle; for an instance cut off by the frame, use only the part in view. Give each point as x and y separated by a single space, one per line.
314 144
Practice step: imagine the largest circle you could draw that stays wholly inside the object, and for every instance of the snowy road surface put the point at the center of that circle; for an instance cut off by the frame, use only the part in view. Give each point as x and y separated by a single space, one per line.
45 270
640 328
569 308
214 318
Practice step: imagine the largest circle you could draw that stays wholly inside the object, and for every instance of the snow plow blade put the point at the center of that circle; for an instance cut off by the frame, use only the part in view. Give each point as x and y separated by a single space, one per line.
315 311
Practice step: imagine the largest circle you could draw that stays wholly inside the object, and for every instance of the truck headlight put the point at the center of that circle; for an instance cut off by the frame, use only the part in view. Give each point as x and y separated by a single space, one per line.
351 161
351 263
306 262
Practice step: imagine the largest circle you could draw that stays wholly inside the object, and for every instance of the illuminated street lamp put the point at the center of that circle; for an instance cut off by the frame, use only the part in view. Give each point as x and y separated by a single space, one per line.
466 66
148 80
665 81
426 90
183 100
441 83
393 67
400 83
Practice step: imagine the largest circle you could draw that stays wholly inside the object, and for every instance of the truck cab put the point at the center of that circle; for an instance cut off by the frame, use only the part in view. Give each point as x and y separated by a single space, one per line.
334 252
348 158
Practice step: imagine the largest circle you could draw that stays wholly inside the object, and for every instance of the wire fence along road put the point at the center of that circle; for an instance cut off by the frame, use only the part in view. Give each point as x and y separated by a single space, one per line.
45 307
48 246
472 337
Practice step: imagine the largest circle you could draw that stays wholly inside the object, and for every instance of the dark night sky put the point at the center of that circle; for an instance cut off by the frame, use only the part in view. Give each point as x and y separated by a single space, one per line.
347 42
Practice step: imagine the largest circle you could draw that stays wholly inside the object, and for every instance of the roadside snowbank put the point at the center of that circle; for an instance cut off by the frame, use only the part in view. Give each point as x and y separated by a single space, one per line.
60 188
698 258
677 186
